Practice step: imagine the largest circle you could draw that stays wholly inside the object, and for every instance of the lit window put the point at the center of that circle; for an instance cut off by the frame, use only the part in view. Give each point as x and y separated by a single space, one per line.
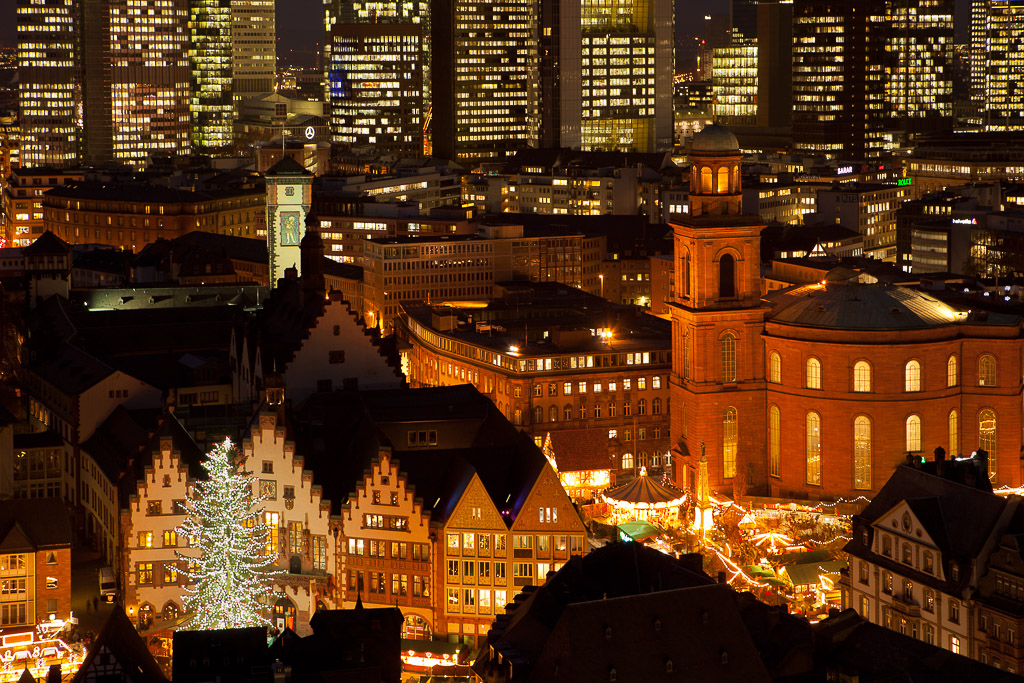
951 380
728 345
775 368
862 376
913 434
774 441
730 441
987 371
813 373
862 452
987 438
813 450
912 376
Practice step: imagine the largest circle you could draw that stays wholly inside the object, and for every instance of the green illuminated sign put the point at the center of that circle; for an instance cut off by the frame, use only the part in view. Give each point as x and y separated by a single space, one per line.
902 182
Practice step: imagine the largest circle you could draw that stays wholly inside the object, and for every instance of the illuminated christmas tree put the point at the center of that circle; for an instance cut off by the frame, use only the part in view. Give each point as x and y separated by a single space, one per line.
232 572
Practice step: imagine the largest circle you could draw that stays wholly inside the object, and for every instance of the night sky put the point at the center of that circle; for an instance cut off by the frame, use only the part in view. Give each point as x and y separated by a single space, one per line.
299 23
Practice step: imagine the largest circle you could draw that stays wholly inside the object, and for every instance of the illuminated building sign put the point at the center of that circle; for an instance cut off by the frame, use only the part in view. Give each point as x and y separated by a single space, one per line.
965 221
843 170
903 182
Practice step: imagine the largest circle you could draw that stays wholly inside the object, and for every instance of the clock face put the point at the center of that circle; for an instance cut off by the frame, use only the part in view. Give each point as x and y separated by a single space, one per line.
310 132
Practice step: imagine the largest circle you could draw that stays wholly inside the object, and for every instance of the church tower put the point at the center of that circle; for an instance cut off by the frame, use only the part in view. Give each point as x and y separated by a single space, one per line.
718 381
289 195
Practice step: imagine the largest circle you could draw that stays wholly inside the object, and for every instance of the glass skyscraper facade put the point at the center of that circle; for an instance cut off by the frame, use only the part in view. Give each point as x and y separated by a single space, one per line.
210 61
50 89
997 63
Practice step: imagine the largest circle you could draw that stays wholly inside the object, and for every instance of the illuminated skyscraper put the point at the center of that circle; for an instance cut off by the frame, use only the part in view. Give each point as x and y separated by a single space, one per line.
376 82
606 74
734 78
50 82
997 62
868 72
484 76
254 47
210 62
149 79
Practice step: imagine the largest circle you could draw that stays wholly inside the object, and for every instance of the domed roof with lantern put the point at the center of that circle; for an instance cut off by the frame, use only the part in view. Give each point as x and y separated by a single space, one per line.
715 139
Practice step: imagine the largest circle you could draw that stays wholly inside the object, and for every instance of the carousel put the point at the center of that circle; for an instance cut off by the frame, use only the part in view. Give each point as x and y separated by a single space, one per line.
645 499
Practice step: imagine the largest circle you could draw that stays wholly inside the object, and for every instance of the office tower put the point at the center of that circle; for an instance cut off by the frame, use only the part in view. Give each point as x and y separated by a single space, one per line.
97 144
744 19
148 79
50 88
210 56
717 32
484 77
867 72
606 75
376 87
997 68
774 64
254 48
734 83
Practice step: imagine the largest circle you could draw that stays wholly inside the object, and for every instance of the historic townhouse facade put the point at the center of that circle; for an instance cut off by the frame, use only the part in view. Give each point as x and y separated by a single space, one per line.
301 536
385 554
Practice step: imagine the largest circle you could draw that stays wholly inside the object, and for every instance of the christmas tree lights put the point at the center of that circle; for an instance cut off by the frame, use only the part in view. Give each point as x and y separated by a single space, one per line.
232 572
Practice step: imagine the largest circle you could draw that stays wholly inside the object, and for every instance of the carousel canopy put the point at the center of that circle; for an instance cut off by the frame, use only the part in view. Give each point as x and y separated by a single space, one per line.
644 491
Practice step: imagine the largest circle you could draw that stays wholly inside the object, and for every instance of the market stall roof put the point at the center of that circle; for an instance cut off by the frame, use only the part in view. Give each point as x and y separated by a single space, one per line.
810 573
638 531
644 491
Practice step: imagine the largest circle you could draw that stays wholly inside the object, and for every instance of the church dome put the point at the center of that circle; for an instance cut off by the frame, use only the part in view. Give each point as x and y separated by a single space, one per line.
715 138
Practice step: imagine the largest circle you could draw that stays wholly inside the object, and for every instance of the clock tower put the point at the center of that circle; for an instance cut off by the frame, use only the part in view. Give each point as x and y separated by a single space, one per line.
289 195
718 385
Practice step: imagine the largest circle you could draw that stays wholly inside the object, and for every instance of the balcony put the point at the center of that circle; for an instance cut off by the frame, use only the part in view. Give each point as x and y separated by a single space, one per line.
905 605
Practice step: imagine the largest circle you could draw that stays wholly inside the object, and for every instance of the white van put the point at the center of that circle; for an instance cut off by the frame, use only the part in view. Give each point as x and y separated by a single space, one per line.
108 588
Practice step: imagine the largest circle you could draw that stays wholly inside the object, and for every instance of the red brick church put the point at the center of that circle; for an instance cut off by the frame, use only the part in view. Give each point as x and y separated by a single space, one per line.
820 391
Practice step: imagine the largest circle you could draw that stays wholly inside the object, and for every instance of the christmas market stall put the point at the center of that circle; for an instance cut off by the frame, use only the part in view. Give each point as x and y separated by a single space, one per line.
645 499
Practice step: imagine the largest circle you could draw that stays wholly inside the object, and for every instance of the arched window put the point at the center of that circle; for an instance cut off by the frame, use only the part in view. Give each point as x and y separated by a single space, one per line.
913 433
862 452
726 276
912 376
987 438
730 440
723 180
987 371
641 407
170 611
567 412
954 433
611 409
951 380
686 354
774 440
813 450
538 415
553 414
862 376
656 406
728 358
813 373
685 275
775 368
627 461
706 180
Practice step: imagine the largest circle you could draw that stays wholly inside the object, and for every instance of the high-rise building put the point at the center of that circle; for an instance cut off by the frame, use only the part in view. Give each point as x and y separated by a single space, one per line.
254 47
50 82
774 64
210 64
735 83
744 19
606 75
867 72
376 87
997 65
148 86
485 68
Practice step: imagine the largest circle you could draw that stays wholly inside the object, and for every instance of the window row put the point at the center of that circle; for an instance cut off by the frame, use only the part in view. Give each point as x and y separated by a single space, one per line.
862 442
569 413
596 387
862 370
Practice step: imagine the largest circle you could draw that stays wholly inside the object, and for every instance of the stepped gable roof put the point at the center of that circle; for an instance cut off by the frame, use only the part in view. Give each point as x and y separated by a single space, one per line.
119 637
939 503
852 306
847 644
284 322
119 440
341 433
47 244
34 523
